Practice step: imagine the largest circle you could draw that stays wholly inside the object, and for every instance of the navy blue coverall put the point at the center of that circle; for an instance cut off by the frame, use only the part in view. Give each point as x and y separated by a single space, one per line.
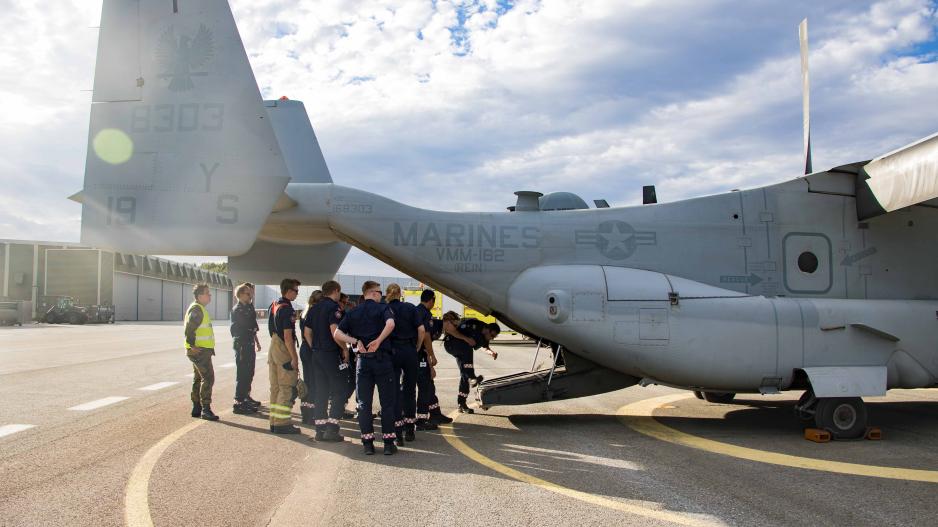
427 402
404 344
365 323
328 376
306 364
463 353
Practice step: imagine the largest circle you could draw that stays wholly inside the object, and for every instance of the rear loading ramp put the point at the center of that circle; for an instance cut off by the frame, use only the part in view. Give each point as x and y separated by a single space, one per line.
577 378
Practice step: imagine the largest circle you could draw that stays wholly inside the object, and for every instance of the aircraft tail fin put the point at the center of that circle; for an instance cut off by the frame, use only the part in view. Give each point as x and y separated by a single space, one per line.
182 157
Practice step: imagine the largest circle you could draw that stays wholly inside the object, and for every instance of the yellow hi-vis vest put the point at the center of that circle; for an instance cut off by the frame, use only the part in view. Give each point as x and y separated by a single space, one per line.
204 336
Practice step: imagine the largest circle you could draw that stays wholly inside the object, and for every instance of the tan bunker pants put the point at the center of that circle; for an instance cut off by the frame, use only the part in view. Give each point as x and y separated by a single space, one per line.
282 382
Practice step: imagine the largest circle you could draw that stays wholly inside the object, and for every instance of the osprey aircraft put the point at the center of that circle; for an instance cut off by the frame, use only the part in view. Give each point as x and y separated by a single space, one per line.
823 283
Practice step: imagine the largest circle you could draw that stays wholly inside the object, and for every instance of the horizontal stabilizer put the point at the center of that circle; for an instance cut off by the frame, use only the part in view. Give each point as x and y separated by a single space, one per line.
182 158
269 262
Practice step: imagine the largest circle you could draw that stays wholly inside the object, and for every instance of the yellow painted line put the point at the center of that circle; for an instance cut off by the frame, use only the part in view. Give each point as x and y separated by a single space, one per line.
657 514
136 495
638 417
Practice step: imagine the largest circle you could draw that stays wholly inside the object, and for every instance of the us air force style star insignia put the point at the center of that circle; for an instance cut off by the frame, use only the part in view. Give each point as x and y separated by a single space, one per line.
179 59
616 240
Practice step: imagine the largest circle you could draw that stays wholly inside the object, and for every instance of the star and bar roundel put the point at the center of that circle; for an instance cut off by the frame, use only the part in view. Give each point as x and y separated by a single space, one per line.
616 240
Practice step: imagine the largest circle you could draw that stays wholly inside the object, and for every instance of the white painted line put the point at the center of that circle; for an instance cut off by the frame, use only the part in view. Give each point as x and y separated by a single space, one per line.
227 365
93 405
189 375
158 386
12 429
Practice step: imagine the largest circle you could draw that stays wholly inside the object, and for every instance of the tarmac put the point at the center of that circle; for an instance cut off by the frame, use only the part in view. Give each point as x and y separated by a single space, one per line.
95 430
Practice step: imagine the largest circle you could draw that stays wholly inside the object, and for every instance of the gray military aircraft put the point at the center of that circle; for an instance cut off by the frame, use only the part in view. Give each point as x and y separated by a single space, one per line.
824 283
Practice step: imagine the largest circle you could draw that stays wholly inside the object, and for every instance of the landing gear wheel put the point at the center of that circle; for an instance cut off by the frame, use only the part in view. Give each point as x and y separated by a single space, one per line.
698 394
843 417
719 397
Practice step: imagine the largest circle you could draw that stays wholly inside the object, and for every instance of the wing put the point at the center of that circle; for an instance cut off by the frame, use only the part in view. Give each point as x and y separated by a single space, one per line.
166 50
203 47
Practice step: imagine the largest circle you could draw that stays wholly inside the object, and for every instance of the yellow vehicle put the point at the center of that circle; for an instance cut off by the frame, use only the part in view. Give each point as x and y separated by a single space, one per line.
413 296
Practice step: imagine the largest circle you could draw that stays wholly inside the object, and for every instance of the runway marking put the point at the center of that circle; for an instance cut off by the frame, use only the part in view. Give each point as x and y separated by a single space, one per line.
227 365
6 430
158 386
639 417
571 456
99 403
136 495
448 433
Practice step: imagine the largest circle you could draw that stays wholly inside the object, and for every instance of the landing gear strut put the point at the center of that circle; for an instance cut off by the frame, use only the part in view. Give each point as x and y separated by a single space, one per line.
843 417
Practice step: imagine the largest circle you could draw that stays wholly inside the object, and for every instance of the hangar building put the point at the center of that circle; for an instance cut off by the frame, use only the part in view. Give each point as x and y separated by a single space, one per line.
139 287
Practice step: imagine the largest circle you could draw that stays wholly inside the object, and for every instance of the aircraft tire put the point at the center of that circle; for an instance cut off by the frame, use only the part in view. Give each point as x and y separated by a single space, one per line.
843 417
719 397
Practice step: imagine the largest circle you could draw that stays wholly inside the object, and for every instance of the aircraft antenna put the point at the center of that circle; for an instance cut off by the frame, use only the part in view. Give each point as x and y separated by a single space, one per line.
805 94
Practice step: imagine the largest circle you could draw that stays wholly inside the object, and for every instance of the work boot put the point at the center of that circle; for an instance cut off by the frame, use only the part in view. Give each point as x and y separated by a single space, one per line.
348 415
389 449
369 448
426 425
307 415
476 381
284 429
208 415
408 436
243 408
196 410
399 439
440 419
319 435
252 402
464 409
332 436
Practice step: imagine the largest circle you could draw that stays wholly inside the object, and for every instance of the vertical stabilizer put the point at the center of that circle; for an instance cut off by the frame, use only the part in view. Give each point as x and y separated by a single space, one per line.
182 158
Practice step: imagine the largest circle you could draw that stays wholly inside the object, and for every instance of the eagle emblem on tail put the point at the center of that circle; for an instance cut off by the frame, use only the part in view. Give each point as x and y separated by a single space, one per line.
181 58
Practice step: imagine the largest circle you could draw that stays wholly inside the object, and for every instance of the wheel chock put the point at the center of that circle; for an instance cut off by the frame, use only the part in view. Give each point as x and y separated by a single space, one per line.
873 433
817 435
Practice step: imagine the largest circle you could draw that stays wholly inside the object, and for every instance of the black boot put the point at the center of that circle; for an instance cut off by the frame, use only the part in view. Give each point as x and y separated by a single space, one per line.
399 439
408 436
423 424
208 415
332 436
389 449
244 408
369 448
284 429
307 414
464 408
196 410
440 419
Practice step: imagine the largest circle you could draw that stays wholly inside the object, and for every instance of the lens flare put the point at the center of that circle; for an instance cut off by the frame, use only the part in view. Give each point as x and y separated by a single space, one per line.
113 146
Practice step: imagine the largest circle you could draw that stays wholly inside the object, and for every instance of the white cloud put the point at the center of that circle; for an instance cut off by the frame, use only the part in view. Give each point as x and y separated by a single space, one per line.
599 97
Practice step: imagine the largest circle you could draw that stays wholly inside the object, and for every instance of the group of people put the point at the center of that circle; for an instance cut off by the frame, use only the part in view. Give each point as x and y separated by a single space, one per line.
344 351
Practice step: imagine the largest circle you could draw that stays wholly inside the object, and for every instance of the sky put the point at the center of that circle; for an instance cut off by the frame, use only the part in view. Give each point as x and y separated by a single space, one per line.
455 105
